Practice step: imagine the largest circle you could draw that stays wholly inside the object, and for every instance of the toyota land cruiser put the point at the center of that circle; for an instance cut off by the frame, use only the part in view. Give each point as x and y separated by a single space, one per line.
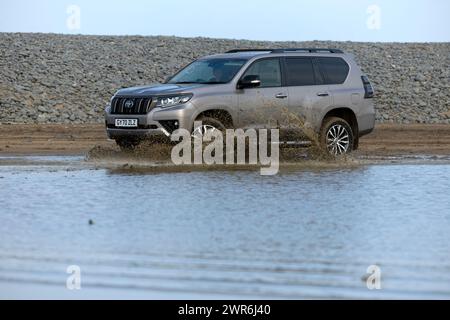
253 88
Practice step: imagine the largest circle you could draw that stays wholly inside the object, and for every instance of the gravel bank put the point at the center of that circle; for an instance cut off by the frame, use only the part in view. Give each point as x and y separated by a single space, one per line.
48 78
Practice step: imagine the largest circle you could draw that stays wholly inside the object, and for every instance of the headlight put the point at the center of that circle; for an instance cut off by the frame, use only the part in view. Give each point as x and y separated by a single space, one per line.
165 102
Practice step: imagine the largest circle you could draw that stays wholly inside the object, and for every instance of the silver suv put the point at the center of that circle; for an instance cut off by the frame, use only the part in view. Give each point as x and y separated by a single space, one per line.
322 91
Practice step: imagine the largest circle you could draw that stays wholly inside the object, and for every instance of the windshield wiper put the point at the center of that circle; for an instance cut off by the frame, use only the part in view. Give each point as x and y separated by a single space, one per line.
213 82
206 82
185 82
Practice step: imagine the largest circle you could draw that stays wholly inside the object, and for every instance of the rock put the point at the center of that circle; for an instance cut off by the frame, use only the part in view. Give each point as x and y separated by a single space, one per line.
42 109
42 118
69 79
446 115
422 104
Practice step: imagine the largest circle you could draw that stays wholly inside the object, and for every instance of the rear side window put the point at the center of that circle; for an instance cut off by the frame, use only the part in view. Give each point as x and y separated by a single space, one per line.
299 72
335 70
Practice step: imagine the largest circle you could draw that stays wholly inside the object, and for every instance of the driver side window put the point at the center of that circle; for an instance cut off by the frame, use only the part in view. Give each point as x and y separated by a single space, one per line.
268 70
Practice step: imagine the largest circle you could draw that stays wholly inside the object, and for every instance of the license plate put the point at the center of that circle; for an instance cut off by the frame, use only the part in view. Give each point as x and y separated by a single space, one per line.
127 123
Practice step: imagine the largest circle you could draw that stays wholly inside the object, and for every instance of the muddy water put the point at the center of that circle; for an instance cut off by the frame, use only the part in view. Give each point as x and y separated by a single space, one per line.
304 233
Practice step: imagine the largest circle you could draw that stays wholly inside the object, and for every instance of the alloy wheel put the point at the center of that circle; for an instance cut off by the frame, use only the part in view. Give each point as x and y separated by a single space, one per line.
201 131
338 140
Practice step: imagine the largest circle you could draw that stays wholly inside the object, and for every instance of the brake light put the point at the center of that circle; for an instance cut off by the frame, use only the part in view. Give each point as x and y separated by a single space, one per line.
367 88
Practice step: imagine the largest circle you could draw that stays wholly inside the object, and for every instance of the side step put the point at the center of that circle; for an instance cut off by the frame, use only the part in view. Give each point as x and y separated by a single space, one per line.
294 144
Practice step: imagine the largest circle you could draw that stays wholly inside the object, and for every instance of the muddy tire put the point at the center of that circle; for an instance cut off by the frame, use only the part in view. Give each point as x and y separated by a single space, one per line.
127 144
208 122
336 136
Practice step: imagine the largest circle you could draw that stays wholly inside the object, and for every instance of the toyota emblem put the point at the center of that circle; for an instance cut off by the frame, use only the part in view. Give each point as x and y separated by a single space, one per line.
129 104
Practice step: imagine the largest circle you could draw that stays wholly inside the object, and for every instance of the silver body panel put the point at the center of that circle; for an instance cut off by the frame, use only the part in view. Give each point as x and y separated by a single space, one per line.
254 107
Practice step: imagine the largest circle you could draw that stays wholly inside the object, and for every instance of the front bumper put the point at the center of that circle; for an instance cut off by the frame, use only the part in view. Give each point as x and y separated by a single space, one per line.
151 124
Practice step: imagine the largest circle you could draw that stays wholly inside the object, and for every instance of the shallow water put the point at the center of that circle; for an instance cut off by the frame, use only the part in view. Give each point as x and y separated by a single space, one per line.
229 234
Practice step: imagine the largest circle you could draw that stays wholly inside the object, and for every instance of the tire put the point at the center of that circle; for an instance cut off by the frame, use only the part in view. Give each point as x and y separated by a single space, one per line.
210 122
336 137
127 143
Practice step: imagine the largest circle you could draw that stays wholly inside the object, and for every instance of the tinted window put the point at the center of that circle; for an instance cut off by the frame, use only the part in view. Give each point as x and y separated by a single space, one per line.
209 71
335 70
317 74
299 72
268 70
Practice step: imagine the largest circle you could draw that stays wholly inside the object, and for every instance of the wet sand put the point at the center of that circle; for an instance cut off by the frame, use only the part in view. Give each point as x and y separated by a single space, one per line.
19 139
387 140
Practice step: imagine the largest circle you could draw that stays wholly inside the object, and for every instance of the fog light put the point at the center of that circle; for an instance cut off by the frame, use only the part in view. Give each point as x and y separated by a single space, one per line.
170 125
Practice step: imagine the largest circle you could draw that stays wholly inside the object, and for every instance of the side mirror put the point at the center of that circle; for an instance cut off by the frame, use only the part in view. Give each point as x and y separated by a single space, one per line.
167 79
250 81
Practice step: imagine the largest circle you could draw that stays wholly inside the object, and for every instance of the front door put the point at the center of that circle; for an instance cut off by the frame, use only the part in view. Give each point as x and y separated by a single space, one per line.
263 107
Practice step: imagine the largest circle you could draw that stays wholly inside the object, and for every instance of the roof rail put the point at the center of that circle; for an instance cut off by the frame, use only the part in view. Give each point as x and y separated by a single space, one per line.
249 50
311 50
286 50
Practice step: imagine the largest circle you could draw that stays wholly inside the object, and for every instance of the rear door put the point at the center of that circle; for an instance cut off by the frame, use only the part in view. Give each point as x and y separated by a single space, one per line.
308 95
261 107
336 71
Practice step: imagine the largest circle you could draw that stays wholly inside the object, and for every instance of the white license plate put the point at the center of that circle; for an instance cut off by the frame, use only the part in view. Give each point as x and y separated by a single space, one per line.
127 123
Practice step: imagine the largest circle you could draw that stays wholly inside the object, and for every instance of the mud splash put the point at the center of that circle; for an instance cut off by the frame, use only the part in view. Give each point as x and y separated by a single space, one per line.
305 151
157 157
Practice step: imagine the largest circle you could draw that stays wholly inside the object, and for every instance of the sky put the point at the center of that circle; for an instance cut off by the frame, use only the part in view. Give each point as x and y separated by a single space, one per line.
296 20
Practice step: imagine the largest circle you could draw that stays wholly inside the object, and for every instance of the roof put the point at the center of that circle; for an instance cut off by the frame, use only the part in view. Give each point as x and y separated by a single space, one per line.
250 53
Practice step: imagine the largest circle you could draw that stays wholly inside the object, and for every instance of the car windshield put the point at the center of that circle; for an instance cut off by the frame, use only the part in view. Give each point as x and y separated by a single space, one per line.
209 71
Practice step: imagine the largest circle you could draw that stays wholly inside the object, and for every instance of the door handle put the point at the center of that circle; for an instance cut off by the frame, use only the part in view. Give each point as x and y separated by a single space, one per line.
323 94
281 96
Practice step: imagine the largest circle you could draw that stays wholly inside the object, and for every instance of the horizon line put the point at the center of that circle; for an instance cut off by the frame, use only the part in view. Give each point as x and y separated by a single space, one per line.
215 38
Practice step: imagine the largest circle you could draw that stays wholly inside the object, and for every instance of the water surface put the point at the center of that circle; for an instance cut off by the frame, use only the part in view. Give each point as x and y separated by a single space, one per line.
300 234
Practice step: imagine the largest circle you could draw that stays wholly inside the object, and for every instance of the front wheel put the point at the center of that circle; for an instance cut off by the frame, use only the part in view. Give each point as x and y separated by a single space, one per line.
127 143
336 136
208 125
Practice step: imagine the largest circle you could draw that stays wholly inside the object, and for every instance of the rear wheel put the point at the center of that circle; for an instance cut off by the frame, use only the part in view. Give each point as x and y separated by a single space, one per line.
127 143
336 136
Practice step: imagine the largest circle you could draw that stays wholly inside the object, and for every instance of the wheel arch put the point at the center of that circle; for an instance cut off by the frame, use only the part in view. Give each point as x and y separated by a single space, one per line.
348 115
220 114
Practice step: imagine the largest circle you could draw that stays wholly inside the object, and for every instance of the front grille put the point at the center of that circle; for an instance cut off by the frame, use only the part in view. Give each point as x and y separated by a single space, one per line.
131 105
